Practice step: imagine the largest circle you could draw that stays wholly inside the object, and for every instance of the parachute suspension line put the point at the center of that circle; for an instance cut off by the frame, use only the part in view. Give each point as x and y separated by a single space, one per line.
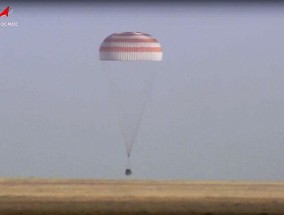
128 168
129 94
111 72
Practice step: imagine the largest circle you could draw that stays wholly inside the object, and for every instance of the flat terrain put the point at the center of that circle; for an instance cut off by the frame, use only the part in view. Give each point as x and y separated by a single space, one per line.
45 196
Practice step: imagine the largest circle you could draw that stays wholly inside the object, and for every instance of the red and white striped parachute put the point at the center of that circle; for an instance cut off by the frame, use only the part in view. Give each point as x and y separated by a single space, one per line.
129 60
131 46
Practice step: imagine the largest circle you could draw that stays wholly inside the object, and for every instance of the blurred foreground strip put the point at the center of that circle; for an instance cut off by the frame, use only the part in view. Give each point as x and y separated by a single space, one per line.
67 196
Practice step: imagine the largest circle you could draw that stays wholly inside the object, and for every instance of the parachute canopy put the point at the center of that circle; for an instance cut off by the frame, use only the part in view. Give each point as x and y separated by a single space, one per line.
130 46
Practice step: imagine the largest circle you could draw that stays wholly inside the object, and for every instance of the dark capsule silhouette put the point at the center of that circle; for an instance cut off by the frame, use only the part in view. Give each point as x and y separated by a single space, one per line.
128 172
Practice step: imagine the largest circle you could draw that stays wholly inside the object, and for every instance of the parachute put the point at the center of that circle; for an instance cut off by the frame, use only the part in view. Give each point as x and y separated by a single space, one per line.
130 61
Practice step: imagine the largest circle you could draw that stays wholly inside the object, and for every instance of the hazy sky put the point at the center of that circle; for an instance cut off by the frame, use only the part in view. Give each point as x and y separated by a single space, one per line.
216 110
